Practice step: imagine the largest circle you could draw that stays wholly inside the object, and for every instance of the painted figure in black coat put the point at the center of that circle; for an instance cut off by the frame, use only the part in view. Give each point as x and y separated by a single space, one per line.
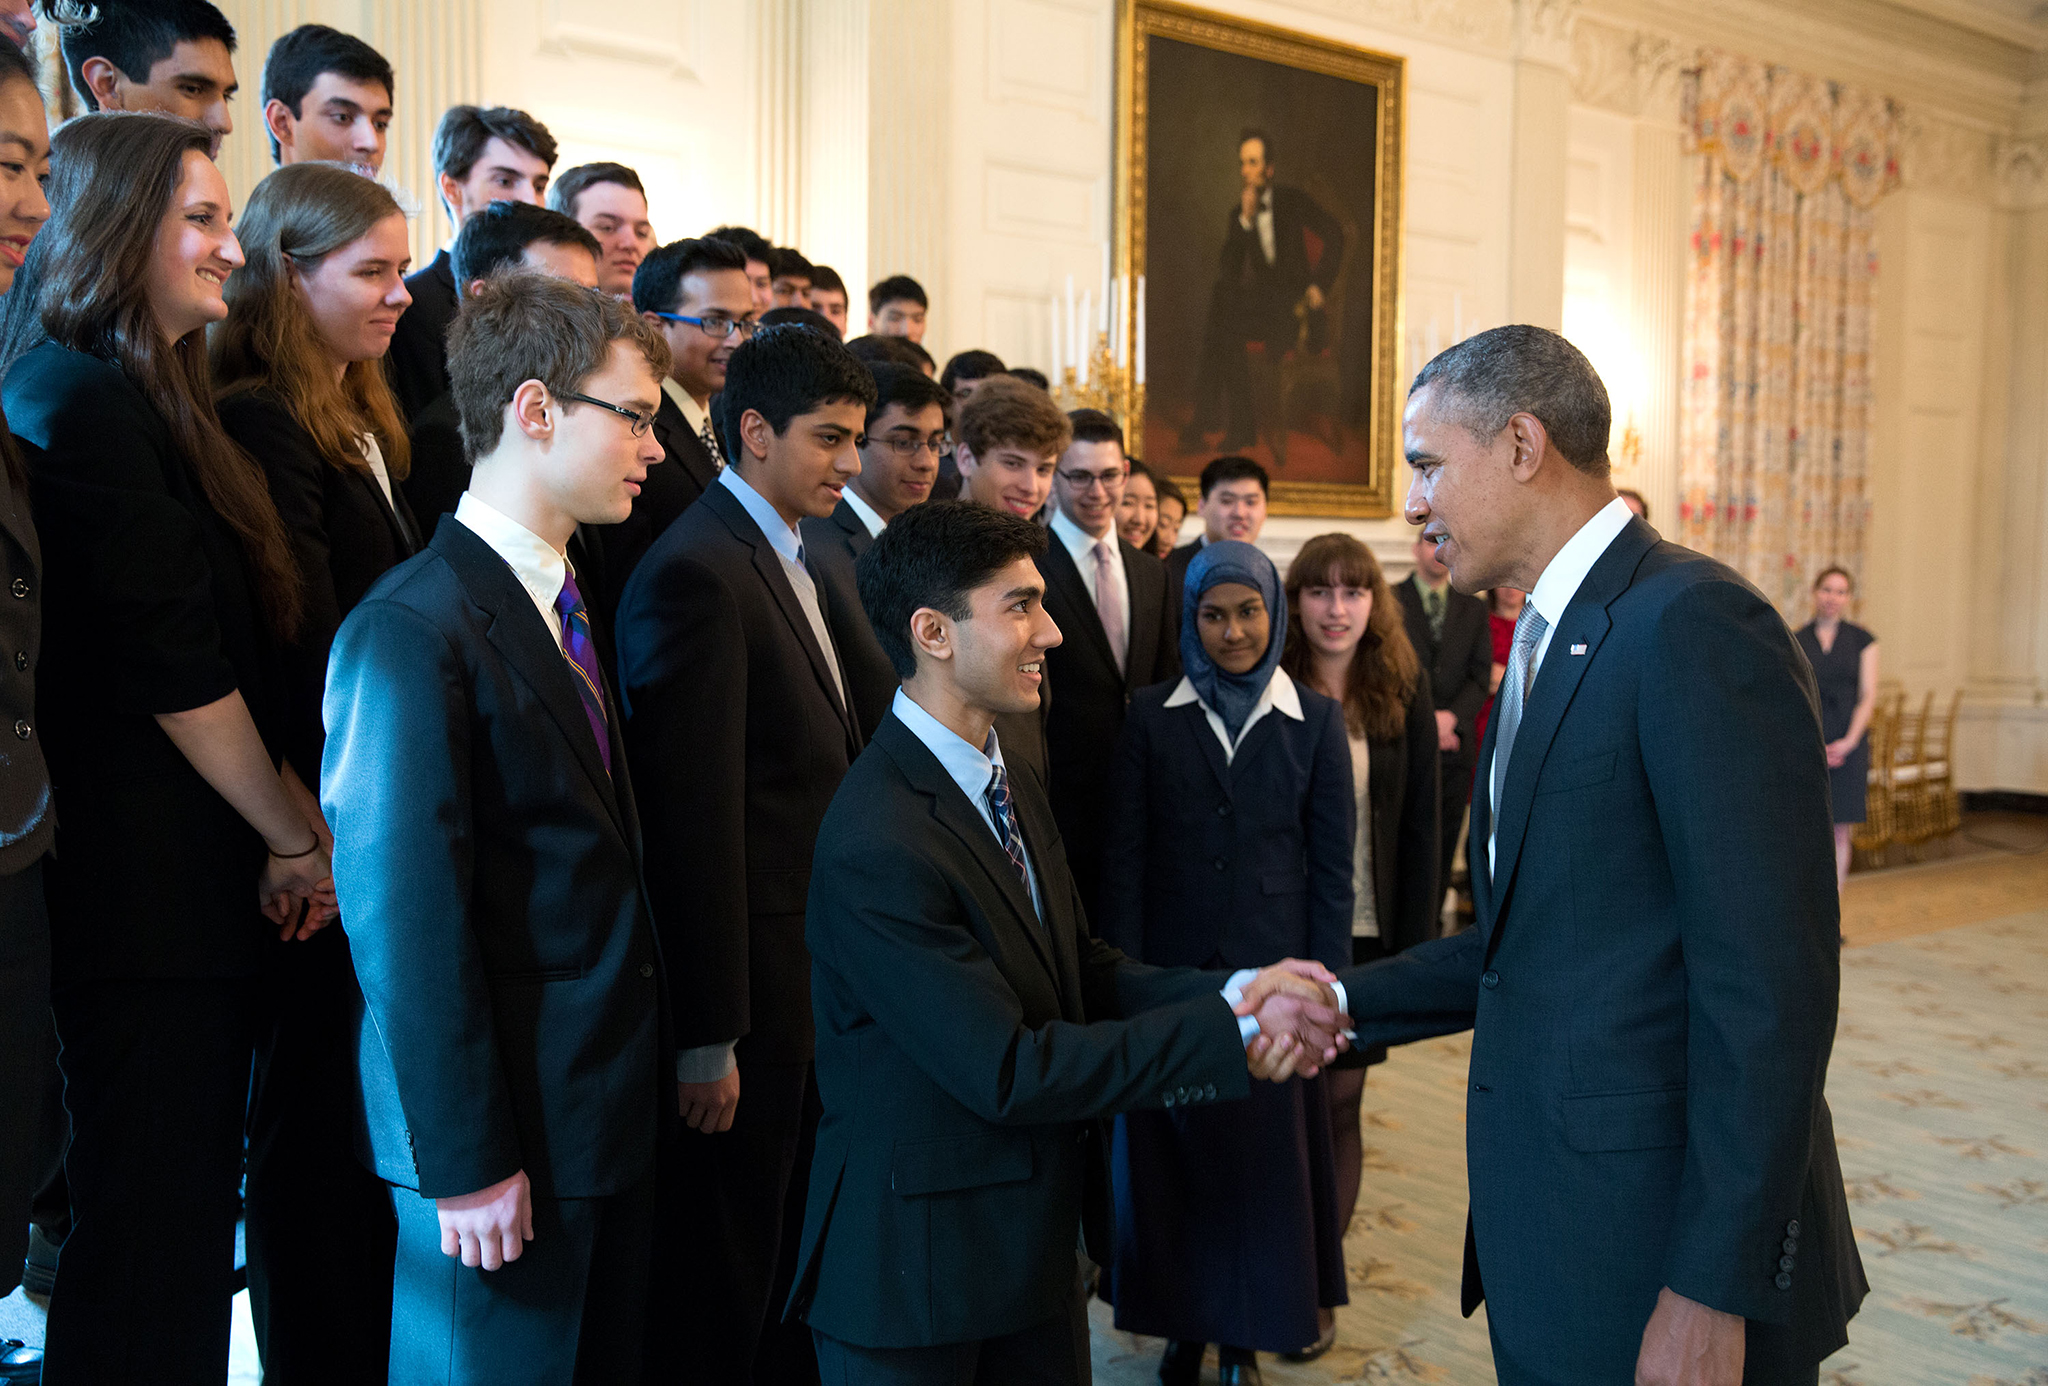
1652 1165
972 1032
1454 640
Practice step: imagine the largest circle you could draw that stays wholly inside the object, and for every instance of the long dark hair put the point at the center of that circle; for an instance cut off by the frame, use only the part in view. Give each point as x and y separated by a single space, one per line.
1384 670
85 285
15 66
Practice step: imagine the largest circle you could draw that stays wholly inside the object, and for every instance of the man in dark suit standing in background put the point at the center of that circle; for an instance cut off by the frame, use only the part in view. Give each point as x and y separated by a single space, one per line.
1451 636
1653 982
899 461
488 852
1109 601
972 1033
737 715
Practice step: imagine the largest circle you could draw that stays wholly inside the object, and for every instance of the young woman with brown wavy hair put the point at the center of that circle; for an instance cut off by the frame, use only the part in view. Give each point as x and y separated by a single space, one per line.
1345 639
299 361
168 592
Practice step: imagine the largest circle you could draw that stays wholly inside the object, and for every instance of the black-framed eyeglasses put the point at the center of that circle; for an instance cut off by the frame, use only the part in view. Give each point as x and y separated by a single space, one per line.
1083 481
641 422
907 448
714 326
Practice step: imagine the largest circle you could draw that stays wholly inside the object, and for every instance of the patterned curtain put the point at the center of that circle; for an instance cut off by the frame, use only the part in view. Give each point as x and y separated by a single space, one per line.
1777 406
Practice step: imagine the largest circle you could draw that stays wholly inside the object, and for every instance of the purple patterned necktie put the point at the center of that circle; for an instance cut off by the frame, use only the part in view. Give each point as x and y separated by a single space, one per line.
1005 815
581 653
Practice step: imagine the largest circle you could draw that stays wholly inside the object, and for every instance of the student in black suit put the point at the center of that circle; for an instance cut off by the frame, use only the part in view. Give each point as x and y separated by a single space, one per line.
326 95
1109 600
695 293
609 201
481 155
169 592
1346 640
1233 506
173 57
737 713
1655 1193
972 1032
1452 636
906 427
512 1056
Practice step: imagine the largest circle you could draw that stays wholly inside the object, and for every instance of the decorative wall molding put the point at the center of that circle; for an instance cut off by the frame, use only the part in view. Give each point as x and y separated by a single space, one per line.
1485 25
1937 155
2019 172
655 34
1543 31
1626 71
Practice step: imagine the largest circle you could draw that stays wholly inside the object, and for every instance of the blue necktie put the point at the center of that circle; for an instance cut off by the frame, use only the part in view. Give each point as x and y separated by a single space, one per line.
581 652
1006 823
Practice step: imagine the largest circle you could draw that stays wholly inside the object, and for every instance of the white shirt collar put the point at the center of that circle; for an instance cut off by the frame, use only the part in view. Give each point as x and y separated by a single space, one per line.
1566 572
969 768
693 413
1279 696
1080 543
864 512
772 525
537 564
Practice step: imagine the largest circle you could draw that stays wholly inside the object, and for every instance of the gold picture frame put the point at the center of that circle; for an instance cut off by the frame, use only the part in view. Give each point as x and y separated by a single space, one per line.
1353 476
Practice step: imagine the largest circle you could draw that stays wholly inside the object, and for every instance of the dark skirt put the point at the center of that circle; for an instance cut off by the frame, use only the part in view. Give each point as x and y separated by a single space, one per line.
1849 785
1226 1223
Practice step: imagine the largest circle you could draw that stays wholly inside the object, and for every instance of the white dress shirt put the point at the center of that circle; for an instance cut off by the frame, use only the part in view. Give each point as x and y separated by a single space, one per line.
539 567
971 769
374 455
1081 545
865 511
1265 224
1561 580
1280 696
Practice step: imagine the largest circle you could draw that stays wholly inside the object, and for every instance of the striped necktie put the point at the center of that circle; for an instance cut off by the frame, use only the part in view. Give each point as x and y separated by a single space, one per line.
1507 712
1003 812
581 652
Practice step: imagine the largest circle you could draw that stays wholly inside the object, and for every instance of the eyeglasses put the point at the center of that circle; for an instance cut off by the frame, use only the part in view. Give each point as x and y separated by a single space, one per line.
1087 481
907 448
641 422
713 326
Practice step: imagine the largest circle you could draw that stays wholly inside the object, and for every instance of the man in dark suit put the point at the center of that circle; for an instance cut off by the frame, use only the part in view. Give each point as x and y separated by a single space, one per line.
1234 494
1653 981
906 427
737 715
1452 637
1281 254
481 155
488 854
972 1033
1109 601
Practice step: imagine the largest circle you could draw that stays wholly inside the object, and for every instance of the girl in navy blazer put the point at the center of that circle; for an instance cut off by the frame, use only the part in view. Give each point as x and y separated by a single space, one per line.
1229 846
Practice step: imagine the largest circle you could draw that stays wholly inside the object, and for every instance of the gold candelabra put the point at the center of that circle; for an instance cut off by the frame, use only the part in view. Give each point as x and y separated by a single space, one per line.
1111 388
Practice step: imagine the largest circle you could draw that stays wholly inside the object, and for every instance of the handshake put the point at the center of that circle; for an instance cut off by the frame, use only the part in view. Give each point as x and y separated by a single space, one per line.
1301 1027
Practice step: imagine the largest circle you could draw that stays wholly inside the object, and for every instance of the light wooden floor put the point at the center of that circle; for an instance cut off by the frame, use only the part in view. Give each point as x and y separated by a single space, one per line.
1998 865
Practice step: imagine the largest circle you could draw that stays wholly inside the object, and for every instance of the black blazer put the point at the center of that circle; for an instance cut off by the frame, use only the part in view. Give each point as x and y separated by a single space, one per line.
489 874
148 607
344 534
1082 726
418 360
1402 786
831 547
1652 983
1235 863
740 739
440 467
1460 665
28 818
967 1054
686 470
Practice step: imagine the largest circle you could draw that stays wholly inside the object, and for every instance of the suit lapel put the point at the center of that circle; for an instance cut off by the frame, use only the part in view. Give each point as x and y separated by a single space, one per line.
521 637
1194 723
857 536
408 542
1034 820
684 448
1062 577
1147 585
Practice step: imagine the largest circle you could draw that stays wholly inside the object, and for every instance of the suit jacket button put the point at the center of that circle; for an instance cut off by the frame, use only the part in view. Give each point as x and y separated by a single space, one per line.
1166 1099
1223 810
1490 979
1784 1263
22 729
21 659
1791 1245
20 588
1221 865
1784 1280
1210 1092
646 969
1792 1228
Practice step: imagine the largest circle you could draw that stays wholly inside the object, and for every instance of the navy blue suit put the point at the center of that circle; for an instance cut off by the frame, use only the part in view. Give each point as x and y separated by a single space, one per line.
1652 987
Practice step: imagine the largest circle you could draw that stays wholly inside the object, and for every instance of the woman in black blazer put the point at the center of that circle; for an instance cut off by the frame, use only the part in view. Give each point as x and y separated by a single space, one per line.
1346 639
1229 846
300 369
168 594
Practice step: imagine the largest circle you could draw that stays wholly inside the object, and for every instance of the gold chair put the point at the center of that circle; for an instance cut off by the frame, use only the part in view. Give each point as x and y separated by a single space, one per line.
1942 803
1915 816
1872 839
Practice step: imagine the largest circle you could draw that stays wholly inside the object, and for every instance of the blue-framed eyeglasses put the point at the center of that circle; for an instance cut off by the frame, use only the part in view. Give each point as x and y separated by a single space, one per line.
714 326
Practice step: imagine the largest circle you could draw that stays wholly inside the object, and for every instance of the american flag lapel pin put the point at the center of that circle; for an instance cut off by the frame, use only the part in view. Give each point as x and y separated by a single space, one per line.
1578 649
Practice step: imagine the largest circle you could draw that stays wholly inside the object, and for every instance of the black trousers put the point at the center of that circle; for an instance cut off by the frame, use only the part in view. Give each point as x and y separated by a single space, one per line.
24 1058
569 1310
156 1077
321 1236
1052 1353
732 1206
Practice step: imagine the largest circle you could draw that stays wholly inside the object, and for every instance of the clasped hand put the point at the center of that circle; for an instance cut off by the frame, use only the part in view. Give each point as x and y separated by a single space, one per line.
1300 1026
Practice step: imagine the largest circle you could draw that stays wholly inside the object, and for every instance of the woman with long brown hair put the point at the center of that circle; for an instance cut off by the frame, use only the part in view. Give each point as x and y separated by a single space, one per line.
169 591
299 362
1346 640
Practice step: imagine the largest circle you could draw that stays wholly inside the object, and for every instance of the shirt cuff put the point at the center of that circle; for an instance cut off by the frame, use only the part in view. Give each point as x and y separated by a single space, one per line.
1343 1001
1233 992
707 1063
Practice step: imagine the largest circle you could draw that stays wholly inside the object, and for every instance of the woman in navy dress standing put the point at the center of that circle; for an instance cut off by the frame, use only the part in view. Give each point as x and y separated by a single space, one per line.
1844 659
1230 846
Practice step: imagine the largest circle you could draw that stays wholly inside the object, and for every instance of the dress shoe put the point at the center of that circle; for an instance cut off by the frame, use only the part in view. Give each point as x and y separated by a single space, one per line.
20 1362
1240 1370
39 1271
1182 1364
1316 1349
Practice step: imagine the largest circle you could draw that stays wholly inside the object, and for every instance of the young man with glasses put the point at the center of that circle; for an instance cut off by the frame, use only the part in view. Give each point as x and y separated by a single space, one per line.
899 461
1110 600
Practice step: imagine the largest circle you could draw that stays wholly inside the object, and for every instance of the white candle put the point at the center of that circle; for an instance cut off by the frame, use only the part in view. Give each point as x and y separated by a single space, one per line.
1123 322
1085 349
1141 329
1055 372
1105 288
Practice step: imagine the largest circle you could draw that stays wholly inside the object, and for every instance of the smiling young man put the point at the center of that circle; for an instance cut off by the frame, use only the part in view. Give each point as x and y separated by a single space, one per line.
899 461
1233 507
172 56
327 95
489 853
481 155
1006 443
1110 599
609 201
897 307
738 720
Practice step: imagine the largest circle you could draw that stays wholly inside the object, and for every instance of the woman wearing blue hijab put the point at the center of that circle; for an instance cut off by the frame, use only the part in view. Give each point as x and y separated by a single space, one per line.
1229 847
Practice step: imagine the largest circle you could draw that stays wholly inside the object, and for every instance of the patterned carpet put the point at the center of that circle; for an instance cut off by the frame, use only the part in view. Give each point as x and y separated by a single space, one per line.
1939 1087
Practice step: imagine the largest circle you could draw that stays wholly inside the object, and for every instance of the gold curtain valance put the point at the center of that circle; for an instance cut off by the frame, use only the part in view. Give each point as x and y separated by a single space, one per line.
1752 115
